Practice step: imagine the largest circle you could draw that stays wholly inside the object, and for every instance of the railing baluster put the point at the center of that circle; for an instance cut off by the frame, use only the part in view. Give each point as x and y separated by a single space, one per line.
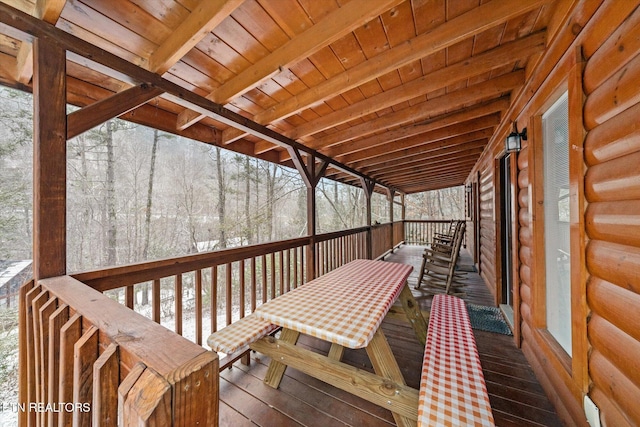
229 293
214 298
177 297
69 335
45 313
281 272
273 274
264 278
295 268
287 270
106 377
56 322
129 293
155 300
242 286
198 302
36 305
84 356
254 284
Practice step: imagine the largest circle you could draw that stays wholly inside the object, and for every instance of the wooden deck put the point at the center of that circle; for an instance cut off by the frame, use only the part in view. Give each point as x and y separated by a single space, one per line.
517 398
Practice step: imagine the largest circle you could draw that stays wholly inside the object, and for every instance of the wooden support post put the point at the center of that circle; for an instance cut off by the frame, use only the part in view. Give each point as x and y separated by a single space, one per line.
49 160
367 186
391 194
311 174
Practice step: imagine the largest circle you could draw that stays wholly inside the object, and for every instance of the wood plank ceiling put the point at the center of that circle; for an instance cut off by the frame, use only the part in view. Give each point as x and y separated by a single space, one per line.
407 92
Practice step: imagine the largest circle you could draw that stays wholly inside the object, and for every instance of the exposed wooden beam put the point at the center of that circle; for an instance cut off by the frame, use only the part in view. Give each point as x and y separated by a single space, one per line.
339 151
433 162
24 26
88 117
50 160
446 172
483 63
454 31
200 22
427 158
49 11
334 26
436 139
434 107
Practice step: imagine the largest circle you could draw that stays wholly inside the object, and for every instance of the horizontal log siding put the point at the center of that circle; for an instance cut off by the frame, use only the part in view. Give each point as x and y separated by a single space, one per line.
487 229
608 34
612 187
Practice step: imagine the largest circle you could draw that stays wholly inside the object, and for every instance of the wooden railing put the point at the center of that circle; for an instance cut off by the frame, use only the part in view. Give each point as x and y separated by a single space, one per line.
421 232
87 360
335 249
230 283
81 344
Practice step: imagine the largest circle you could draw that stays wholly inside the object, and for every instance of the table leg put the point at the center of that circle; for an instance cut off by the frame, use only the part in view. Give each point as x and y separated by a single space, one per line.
335 352
412 310
385 365
276 369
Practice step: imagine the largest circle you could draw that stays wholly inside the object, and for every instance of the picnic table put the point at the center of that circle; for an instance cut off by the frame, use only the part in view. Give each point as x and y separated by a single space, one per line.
345 307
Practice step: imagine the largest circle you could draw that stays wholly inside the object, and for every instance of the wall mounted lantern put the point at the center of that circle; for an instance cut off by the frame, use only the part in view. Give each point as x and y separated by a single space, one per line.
513 143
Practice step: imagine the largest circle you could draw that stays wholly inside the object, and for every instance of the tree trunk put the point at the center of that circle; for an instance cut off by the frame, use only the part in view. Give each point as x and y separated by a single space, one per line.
222 238
247 198
111 196
147 217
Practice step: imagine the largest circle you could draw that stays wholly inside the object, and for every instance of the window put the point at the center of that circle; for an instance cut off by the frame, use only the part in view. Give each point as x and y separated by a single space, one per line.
555 125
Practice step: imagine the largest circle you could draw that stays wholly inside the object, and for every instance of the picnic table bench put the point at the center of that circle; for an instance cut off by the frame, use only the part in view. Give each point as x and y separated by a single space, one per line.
452 387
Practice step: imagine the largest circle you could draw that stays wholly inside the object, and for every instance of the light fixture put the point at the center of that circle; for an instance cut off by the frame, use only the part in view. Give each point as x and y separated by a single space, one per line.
514 140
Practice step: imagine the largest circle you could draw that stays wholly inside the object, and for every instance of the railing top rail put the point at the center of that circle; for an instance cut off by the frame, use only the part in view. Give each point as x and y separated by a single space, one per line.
139 338
130 274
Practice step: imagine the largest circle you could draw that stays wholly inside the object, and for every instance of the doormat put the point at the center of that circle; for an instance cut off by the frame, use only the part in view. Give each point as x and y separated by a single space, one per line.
467 268
488 319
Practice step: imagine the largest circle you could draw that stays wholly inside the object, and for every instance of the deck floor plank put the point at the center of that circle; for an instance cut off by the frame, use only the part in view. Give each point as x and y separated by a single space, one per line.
517 399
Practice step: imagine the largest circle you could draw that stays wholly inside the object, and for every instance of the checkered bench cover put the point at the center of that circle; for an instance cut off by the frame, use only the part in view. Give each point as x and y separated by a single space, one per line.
452 388
237 336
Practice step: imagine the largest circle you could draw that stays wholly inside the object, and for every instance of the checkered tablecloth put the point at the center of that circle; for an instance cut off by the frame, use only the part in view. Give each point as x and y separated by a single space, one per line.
344 306
237 336
452 388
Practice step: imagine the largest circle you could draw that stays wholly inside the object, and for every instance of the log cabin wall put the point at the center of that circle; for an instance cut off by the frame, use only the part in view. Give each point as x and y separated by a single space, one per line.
487 243
594 55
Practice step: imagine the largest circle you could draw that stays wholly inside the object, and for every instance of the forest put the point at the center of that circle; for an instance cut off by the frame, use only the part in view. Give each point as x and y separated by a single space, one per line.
137 194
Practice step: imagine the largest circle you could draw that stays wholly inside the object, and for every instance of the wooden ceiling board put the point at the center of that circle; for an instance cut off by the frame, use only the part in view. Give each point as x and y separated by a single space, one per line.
370 97
9 45
203 62
105 30
223 54
256 21
289 15
132 17
241 42
395 23
170 12
348 51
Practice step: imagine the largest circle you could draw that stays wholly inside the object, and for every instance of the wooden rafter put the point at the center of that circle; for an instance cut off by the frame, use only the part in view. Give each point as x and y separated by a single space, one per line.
335 25
88 117
445 35
436 139
431 108
434 161
495 107
49 11
483 63
25 26
200 22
